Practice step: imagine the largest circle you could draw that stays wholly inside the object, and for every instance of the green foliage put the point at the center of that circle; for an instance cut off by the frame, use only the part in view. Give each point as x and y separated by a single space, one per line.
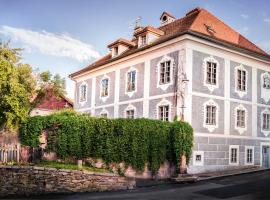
135 142
16 88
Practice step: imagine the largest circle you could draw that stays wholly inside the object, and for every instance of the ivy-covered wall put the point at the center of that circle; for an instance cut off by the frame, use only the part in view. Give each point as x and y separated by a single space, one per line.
132 141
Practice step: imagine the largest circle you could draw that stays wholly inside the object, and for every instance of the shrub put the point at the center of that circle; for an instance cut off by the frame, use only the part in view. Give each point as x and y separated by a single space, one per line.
132 141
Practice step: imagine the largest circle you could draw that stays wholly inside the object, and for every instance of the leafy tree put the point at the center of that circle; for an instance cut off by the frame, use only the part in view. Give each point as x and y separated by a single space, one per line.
16 87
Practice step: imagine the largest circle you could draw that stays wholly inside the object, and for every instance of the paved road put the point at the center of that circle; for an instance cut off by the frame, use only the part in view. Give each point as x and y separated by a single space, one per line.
250 186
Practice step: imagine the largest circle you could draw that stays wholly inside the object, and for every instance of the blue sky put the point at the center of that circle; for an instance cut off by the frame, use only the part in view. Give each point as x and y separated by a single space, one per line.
65 35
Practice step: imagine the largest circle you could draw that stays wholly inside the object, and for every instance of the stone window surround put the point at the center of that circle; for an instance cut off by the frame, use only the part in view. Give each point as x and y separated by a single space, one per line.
237 155
246 148
131 93
84 101
165 59
239 92
104 98
241 130
211 87
164 102
265 132
130 107
265 93
198 163
210 127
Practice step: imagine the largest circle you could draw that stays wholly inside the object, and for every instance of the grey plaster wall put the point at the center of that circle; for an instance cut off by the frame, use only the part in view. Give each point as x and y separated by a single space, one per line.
235 95
260 109
249 119
198 115
199 73
259 85
110 99
216 152
137 105
87 104
153 110
140 83
154 90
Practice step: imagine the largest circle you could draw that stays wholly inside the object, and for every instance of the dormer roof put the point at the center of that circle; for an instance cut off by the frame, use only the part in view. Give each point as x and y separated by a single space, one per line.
146 29
122 41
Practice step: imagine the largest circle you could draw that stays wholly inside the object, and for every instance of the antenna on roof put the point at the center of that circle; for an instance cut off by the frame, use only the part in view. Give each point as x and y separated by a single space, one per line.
135 23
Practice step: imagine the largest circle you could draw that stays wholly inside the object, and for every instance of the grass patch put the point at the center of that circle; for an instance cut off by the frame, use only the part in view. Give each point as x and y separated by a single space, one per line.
70 166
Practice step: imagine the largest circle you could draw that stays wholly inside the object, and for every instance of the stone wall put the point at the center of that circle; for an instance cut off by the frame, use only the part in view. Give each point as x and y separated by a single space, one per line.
21 180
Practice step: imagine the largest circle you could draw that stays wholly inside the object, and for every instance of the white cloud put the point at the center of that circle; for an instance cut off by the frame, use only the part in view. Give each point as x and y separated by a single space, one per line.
244 16
244 30
267 20
61 45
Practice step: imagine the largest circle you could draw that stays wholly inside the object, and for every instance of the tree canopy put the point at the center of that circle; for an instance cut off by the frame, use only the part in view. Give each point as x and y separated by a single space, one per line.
18 86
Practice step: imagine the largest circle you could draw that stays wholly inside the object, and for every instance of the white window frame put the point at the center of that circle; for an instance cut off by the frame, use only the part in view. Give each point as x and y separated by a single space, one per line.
265 132
142 43
165 59
130 107
104 98
164 102
241 130
86 95
241 93
246 155
104 111
131 93
198 163
211 87
210 127
230 154
265 93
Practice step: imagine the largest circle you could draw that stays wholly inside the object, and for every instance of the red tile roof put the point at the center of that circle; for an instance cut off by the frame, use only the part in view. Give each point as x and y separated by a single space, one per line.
198 22
122 41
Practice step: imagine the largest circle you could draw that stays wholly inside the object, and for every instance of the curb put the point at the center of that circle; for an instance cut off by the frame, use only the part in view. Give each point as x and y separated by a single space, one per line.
231 174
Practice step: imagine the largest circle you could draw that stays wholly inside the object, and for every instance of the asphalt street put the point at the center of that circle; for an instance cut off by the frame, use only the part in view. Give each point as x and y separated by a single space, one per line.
249 186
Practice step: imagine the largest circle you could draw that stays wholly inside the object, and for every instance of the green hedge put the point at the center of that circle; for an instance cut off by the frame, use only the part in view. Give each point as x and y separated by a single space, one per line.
133 141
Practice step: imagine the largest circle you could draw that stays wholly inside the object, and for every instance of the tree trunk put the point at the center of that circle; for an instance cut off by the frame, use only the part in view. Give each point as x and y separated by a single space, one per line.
183 165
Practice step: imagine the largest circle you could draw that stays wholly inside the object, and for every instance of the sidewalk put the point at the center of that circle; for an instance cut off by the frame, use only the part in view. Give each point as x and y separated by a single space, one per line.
186 178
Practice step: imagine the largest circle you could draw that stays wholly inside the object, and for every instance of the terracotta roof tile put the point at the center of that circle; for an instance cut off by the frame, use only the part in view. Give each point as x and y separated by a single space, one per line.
198 22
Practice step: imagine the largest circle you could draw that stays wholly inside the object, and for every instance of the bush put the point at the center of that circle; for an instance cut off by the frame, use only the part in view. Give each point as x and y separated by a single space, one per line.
132 141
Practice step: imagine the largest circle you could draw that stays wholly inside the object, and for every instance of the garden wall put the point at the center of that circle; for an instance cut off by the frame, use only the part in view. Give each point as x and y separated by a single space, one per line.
21 180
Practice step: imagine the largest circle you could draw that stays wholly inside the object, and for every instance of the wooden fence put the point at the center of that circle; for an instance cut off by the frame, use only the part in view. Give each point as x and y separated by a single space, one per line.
9 153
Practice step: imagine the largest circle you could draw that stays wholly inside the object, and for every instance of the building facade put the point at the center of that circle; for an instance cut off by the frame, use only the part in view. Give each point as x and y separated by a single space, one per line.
197 69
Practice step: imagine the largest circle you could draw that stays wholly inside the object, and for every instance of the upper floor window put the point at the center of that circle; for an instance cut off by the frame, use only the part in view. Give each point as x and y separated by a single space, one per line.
241 118
241 80
131 81
266 121
104 87
165 72
211 111
266 81
164 112
83 92
130 114
211 72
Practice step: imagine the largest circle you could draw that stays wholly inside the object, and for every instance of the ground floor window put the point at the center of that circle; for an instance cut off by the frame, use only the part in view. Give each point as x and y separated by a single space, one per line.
130 114
249 155
234 151
198 158
164 113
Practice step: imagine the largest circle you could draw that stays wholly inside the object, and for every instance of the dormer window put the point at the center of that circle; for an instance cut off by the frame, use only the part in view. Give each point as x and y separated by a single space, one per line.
143 40
166 18
116 51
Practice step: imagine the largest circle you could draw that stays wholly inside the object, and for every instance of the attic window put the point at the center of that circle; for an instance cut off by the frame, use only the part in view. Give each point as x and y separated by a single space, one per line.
115 51
143 40
164 18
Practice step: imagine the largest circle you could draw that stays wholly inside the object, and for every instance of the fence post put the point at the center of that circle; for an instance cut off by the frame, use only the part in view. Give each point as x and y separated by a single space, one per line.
18 152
